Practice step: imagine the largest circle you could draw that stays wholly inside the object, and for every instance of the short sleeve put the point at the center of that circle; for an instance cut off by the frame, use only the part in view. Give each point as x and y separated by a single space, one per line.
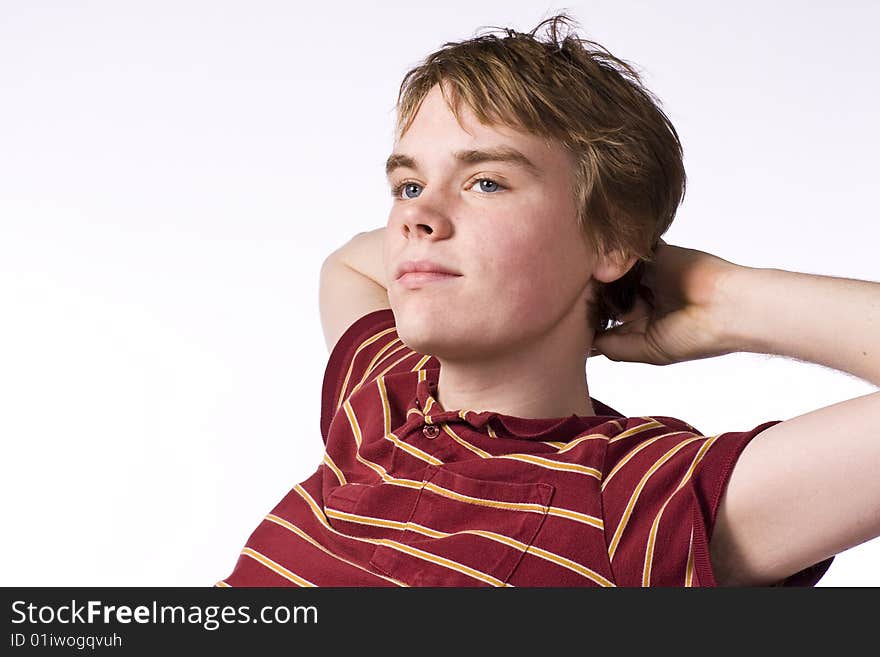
370 347
661 491
709 484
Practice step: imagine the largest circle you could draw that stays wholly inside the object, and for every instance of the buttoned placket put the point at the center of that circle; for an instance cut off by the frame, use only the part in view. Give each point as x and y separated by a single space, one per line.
429 431
433 423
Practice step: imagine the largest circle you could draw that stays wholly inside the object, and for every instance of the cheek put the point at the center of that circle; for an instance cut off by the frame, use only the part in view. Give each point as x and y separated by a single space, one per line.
527 274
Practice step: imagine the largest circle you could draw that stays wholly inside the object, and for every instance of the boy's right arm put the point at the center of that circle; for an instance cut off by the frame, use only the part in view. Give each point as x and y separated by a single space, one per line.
352 284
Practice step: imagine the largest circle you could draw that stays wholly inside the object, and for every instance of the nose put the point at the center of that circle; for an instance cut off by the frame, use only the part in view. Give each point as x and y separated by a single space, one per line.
425 216
414 228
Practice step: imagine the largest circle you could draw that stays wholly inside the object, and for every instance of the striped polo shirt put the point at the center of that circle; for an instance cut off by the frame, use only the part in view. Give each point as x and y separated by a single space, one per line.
412 494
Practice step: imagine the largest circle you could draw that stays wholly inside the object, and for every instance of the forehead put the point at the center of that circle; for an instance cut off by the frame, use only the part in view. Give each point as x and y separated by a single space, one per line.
435 131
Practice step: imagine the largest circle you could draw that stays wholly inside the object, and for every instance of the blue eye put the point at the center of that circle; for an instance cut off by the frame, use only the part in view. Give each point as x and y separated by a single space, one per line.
404 186
490 188
491 182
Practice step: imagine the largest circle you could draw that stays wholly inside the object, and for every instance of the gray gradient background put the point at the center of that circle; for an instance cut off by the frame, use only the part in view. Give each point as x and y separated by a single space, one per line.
172 175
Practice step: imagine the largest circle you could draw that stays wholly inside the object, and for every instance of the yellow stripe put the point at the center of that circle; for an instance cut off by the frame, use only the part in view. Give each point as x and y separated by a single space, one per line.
571 565
381 355
322 518
493 536
554 465
558 444
612 548
395 481
652 535
632 431
386 406
480 501
461 441
443 561
276 567
412 450
303 535
632 453
222 584
390 367
364 520
353 423
418 366
356 432
626 459
574 443
330 464
558 512
358 437
518 506
554 511
528 458
577 516
366 343
319 514
389 435
689 571
406 483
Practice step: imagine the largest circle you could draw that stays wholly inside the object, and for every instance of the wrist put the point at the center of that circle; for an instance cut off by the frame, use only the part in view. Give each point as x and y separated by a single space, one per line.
364 254
739 304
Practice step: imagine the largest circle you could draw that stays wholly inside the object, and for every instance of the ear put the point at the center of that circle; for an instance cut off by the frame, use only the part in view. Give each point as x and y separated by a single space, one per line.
611 266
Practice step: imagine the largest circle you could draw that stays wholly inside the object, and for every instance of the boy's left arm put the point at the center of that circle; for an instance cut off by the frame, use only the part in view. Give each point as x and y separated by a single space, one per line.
807 488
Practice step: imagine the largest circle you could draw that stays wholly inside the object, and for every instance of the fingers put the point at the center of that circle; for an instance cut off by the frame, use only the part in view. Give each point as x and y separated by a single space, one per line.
620 345
626 342
643 307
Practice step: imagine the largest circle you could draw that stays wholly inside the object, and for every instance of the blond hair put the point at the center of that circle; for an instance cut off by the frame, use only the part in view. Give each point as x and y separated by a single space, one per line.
629 171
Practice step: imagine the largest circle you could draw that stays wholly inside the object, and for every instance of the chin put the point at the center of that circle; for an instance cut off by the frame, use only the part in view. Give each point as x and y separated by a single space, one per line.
415 334
423 335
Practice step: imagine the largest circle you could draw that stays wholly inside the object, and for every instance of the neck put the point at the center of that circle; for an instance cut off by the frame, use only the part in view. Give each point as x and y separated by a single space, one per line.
547 379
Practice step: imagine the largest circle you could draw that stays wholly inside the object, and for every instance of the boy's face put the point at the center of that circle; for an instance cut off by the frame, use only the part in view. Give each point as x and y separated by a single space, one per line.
524 266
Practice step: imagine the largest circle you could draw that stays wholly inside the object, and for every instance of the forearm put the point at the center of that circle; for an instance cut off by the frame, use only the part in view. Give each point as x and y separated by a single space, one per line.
363 253
831 321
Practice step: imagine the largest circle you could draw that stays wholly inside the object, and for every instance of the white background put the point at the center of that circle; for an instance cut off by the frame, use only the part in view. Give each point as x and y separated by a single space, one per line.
172 175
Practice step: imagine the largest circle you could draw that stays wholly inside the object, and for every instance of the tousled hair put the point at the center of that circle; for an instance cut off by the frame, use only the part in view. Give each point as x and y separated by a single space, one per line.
629 176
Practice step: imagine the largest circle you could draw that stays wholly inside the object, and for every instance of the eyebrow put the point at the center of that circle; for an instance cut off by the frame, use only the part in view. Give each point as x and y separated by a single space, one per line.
471 156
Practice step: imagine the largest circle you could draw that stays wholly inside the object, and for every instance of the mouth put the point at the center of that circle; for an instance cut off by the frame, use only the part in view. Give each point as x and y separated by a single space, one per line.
415 279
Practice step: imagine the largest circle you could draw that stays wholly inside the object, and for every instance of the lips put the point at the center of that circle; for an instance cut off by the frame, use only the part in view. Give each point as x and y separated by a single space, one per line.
423 266
418 279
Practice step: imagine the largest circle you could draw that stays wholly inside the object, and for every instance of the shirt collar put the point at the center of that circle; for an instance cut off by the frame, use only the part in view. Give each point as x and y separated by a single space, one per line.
431 411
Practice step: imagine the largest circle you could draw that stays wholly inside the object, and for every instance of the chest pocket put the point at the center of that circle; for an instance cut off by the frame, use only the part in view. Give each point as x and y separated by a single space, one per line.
464 531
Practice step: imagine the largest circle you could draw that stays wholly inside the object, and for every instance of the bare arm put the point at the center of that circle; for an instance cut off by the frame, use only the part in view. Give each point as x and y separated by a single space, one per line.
363 253
352 284
827 320
807 488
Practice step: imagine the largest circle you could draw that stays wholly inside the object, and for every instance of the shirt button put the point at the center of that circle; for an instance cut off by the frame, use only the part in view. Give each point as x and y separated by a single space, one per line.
430 431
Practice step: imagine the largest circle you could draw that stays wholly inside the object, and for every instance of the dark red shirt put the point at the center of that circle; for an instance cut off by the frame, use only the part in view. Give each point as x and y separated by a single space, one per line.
412 494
